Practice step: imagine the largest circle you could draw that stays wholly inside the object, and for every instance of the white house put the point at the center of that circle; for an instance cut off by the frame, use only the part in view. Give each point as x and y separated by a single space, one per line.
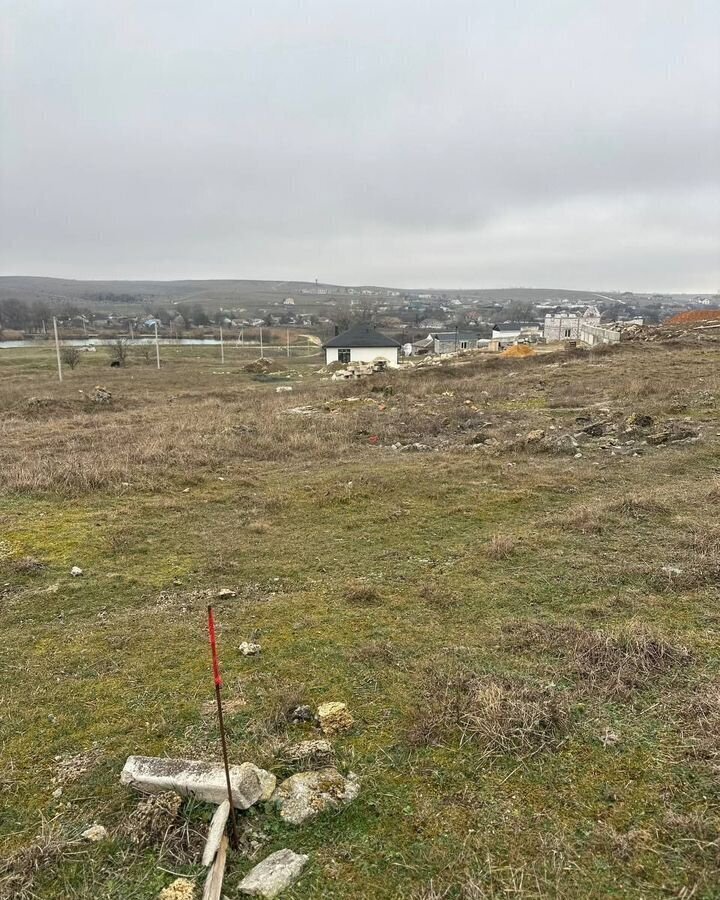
361 344
511 332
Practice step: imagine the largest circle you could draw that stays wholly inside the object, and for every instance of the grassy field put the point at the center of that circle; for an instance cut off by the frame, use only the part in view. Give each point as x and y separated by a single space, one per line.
523 624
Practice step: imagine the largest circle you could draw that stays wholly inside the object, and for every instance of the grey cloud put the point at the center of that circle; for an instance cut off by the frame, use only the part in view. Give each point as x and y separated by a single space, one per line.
456 143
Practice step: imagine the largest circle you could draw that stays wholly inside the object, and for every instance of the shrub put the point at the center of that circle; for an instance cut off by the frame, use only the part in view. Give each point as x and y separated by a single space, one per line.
70 356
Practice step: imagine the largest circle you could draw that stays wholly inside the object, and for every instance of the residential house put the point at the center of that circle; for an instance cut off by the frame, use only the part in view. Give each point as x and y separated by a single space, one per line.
361 344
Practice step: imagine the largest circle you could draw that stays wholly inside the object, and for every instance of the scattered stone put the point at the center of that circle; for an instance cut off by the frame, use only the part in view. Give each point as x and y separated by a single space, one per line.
301 714
191 778
310 754
76 571
249 649
275 873
534 437
283 388
101 395
57 793
306 794
609 738
226 594
672 571
638 420
95 833
334 717
180 889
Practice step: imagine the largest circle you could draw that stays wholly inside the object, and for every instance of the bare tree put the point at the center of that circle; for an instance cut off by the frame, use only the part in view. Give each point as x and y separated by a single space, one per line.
70 356
118 352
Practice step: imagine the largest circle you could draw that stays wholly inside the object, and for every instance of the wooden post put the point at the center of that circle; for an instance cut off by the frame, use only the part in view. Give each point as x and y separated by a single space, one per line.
222 347
57 349
157 346
287 341
261 343
216 873
242 335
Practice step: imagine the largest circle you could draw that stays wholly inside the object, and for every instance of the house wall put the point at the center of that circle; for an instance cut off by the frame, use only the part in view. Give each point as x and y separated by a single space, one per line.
596 334
365 355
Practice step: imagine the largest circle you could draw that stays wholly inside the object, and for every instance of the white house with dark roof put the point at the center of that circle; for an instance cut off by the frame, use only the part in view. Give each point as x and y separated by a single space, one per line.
361 344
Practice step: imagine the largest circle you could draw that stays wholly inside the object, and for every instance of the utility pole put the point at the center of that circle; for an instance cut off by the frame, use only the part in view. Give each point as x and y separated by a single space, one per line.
57 349
157 346
261 343
222 347
287 341
132 336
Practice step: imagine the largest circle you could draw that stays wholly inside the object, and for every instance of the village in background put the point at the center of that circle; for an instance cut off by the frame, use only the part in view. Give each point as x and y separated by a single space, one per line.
300 317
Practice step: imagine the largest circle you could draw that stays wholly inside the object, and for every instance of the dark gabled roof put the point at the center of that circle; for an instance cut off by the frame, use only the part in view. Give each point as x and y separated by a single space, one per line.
361 336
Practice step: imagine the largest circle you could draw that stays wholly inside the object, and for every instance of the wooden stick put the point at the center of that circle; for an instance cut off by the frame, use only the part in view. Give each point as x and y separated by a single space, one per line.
216 873
215 833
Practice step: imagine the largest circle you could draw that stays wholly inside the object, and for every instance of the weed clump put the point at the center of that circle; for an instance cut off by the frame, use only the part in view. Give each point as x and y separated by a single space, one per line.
500 546
701 724
614 663
361 594
497 715
18 870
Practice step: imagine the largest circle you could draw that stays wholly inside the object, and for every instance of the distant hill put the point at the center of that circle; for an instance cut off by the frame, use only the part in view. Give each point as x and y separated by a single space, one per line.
240 292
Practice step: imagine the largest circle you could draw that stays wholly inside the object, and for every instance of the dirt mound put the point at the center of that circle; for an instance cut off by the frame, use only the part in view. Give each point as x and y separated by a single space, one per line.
518 351
694 317
262 366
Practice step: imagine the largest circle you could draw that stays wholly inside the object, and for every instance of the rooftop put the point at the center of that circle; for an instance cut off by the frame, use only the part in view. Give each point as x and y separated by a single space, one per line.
361 336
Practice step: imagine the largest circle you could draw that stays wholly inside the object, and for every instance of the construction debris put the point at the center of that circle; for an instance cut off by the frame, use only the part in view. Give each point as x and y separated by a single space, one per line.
248 648
360 370
306 794
216 832
95 833
204 781
274 874
226 594
76 571
262 366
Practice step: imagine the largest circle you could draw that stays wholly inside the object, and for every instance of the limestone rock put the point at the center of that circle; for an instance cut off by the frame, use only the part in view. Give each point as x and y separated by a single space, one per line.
334 718
180 889
247 648
226 594
533 437
310 754
76 571
301 714
95 833
191 778
306 794
275 873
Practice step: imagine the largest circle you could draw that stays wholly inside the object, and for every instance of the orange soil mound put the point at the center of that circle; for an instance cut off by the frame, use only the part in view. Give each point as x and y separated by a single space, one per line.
693 316
518 351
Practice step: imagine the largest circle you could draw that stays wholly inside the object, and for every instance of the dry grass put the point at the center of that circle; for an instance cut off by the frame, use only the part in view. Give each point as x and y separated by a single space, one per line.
360 593
700 723
496 715
500 546
613 663
19 870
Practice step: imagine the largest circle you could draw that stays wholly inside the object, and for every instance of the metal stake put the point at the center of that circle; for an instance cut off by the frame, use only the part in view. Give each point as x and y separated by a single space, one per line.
234 843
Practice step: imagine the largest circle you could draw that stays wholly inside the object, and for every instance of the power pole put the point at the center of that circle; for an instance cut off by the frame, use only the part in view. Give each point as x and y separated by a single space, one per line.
157 346
287 341
57 349
261 343
222 347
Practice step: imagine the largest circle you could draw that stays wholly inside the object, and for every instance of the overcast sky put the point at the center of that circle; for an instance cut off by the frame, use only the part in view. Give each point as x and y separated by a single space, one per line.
453 143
